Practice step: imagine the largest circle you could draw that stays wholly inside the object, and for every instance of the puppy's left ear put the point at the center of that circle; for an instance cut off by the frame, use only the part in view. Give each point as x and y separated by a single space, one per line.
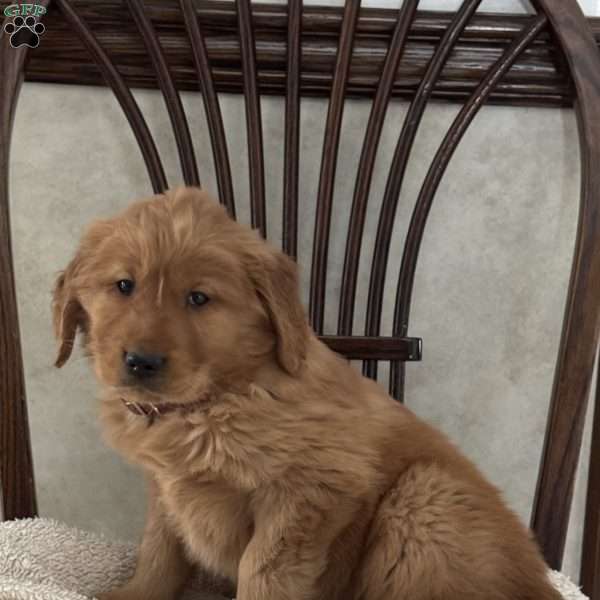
67 312
275 278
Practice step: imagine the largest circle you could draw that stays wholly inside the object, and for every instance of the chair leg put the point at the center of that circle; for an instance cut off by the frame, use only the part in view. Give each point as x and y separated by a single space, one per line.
590 557
17 491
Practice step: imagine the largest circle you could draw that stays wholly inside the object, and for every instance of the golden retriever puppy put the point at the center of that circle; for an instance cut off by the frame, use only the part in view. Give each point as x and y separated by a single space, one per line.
271 462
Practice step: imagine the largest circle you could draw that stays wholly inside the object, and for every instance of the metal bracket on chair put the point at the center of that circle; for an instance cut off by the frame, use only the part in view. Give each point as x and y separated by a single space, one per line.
415 349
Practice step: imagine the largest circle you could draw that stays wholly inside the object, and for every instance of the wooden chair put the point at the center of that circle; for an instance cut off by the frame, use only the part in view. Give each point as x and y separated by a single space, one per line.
558 23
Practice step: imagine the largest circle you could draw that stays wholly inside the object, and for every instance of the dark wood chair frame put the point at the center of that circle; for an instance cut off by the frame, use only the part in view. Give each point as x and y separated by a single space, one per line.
558 24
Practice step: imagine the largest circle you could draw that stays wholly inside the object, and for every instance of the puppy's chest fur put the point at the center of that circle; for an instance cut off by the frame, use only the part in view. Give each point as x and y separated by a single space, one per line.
205 500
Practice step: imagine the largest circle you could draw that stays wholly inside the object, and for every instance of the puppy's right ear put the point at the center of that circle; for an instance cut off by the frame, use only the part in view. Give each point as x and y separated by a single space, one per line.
67 312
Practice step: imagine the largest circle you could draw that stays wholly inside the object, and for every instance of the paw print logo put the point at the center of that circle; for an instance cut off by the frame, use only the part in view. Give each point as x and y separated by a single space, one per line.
24 32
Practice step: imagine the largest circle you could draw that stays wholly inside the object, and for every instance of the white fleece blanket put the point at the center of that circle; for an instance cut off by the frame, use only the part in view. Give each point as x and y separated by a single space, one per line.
41 559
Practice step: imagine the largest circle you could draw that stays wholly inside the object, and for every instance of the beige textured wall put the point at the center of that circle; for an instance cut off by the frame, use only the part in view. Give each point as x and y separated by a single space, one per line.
490 285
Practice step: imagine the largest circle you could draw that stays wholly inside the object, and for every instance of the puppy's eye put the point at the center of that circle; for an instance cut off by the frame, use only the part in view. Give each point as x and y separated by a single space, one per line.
197 298
125 286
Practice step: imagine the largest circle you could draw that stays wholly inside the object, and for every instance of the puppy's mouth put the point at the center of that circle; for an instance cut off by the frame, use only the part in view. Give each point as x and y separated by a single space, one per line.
157 387
189 392
137 393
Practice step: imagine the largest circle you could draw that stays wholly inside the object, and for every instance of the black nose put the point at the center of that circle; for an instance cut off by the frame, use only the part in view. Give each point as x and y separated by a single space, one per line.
143 366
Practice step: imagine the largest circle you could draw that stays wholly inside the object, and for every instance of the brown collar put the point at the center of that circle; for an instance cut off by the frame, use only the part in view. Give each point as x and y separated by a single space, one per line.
152 411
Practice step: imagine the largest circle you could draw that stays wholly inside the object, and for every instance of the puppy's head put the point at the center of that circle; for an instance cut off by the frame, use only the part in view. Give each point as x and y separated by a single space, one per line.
173 297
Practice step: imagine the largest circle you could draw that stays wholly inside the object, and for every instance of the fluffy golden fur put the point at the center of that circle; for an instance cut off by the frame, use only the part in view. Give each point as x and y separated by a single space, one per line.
298 479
